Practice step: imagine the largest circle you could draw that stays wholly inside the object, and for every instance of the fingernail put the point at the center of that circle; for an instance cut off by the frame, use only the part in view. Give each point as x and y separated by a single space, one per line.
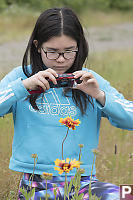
75 84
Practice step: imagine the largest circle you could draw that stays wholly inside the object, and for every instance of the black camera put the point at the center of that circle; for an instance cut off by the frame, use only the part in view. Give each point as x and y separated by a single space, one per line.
63 80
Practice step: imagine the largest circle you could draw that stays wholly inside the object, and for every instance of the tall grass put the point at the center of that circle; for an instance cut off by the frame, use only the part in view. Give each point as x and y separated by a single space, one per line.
8 179
116 67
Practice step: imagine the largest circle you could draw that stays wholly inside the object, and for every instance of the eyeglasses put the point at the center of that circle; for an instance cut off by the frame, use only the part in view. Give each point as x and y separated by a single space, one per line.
52 55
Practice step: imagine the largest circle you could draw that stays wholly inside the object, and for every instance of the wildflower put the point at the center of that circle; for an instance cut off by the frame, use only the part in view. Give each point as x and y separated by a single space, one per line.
95 151
66 166
34 155
81 145
69 122
82 171
47 176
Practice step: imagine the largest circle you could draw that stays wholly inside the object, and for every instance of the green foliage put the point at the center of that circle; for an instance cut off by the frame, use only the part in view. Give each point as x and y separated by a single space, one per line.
77 5
40 5
121 4
111 4
28 195
3 4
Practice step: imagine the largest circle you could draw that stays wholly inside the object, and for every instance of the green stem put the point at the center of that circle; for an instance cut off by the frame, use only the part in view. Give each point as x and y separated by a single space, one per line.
46 190
67 190
32 176
80 154
35 161
90 194
55 194
64 141
65 186
33 172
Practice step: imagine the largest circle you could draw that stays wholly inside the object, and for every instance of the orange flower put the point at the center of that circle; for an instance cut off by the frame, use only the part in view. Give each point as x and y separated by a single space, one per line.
69 122
66 166
47 176
34 155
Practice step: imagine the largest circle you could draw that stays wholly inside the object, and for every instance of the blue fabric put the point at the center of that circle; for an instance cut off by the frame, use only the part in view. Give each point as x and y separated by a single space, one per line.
106 191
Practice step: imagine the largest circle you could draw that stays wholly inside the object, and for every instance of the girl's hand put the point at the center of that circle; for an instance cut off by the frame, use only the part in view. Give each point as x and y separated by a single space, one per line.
90 86
40 79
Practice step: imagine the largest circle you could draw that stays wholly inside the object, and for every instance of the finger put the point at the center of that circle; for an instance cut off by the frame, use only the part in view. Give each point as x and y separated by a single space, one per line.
48 75
91 81
77 86
39 83
52 72
45 82
78 74
87 75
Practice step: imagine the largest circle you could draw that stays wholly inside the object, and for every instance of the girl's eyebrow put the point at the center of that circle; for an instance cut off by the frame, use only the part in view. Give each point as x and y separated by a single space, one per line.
71 47
54 49
50 48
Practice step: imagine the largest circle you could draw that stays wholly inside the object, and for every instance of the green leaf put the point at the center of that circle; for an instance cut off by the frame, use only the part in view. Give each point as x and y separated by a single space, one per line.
70 186
80 197
22 190
65 188
74 180
33 192
55 192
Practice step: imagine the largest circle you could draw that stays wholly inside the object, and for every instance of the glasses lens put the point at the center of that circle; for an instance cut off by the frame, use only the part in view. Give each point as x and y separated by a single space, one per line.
55 55
69 55
52 55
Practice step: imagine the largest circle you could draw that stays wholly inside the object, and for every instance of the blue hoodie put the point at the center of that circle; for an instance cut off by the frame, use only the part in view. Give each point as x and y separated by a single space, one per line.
39 132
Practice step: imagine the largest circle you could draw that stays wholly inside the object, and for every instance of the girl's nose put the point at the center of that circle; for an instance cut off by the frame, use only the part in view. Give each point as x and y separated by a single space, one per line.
61 59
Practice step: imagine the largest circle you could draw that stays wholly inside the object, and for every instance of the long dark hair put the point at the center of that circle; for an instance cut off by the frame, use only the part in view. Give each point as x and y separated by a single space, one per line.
55 22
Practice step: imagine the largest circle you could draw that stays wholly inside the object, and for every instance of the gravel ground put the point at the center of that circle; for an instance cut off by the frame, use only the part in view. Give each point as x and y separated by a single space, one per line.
99 38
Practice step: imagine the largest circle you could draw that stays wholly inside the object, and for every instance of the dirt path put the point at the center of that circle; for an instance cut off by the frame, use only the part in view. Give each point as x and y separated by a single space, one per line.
99 38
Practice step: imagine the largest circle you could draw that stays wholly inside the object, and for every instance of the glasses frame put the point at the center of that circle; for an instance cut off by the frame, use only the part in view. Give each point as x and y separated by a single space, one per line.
59 54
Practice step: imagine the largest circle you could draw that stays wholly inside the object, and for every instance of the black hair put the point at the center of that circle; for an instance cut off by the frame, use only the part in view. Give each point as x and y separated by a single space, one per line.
55 22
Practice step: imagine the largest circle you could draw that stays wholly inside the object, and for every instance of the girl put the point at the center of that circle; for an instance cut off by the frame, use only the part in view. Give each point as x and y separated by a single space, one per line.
57 46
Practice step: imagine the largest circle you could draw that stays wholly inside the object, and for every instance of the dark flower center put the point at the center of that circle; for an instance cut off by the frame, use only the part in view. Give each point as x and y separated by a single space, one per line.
65 166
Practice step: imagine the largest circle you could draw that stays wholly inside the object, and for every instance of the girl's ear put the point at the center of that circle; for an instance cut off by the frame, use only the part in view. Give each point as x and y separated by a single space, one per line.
35 42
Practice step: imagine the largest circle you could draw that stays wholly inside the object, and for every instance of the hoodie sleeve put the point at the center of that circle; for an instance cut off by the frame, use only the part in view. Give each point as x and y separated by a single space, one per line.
11 90
117 109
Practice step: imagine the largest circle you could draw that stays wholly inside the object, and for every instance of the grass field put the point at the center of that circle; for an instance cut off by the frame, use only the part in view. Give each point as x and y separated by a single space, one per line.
116 67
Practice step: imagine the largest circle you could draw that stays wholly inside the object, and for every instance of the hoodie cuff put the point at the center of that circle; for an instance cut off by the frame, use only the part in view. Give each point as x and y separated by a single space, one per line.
107 105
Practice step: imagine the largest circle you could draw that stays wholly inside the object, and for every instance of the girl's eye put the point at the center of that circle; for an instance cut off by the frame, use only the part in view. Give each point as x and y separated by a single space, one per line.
68 51
51 52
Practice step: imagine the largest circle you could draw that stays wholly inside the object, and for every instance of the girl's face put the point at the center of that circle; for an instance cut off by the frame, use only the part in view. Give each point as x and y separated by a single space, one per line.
59 44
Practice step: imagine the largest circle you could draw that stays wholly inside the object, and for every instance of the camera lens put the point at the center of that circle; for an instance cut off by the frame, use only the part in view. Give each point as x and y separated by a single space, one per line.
64 83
